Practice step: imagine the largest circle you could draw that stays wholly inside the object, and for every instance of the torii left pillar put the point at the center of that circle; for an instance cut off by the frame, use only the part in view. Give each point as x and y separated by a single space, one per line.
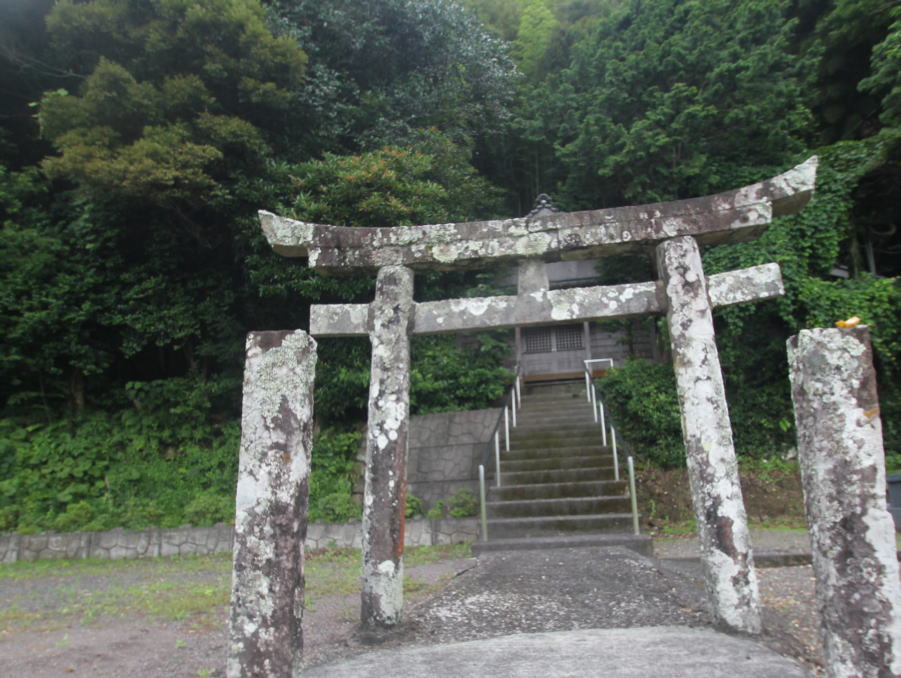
391 315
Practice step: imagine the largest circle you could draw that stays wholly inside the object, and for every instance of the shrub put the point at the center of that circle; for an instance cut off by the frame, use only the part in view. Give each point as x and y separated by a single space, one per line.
415 506
209 508
332 472
462 504
337 507
641 398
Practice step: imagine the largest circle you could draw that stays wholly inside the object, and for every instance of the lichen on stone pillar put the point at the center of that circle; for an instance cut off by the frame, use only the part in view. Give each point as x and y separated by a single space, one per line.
730 579
852 534
386 448
265 636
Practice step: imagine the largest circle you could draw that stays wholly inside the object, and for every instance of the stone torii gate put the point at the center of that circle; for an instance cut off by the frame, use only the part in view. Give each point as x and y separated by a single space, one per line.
674 229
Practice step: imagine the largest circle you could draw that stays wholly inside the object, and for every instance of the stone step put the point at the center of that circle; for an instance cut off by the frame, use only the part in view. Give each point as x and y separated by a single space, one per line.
554 428
558 390
599 488
565 507
507 528
553 476
556 421
516 464
573 407
641 544
533 452
558 440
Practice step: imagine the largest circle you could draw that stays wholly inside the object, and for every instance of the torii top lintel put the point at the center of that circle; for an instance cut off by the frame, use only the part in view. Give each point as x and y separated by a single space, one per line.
737 215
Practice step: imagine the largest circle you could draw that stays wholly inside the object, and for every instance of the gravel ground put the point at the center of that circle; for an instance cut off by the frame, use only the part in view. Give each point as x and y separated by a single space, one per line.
452 600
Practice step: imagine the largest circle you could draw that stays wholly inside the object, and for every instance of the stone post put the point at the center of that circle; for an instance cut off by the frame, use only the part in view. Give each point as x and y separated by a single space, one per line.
843 473
712 467
271 506
386 448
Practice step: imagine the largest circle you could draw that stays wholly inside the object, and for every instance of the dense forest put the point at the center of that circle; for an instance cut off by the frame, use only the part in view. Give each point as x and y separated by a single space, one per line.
139 137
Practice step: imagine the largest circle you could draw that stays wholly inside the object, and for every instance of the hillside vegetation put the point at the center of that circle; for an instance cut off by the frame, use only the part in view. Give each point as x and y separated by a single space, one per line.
138 139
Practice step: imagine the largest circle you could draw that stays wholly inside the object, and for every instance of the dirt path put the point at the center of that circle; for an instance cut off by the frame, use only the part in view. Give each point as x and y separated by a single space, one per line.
168 620
163 618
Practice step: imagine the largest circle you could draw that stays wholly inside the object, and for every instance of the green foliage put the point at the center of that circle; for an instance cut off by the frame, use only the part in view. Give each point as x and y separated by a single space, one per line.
886 72
332 473
462 504
431 181
414 507
437 511
641 397
537 26
130 469
445 377
381 70
171 104
209 508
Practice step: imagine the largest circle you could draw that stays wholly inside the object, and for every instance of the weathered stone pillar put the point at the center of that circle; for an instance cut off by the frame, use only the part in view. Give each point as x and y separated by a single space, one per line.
843 472
712 467
271 506
386 448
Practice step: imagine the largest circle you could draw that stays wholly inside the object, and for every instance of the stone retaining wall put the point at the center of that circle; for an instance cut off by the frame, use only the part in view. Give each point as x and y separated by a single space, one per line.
120 543
445 452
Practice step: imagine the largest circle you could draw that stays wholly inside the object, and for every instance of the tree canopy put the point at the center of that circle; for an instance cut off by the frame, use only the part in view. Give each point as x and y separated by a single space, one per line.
138 139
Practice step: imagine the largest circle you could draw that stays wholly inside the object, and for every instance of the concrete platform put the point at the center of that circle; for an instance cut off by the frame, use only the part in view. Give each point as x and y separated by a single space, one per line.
670 651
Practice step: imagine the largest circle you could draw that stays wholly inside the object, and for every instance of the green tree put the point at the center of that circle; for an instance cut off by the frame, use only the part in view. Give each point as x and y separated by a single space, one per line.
179 99
537 27
381 70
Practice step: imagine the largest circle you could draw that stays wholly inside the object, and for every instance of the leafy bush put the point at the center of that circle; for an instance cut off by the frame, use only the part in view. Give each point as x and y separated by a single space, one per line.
209 508
445 376
130 469
415 506
337 507
641 398
462 504
437 511
332 474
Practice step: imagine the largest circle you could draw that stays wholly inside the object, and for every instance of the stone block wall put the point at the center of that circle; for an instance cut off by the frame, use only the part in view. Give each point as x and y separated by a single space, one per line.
445 452
181 541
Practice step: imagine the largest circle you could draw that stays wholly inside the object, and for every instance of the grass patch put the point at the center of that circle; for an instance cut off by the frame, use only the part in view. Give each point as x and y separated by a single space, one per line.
190 588
62 568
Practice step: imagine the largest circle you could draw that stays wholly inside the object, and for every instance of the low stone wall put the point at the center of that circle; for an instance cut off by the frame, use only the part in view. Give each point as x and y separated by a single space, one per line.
181 541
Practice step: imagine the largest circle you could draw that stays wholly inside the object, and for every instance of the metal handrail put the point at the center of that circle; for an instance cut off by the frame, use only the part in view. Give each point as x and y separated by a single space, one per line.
598 410
512 403
602 417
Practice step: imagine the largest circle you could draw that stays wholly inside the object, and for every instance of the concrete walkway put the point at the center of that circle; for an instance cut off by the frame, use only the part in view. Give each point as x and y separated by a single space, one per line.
668 651
551 613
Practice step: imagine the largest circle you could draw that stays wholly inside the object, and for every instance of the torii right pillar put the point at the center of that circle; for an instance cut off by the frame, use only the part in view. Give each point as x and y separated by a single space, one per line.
729 574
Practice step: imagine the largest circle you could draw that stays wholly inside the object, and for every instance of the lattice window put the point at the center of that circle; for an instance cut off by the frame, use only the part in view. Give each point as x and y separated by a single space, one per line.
552 339
537 340
569 338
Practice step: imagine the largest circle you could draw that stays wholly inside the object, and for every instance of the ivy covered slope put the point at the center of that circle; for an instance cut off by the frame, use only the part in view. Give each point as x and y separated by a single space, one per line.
137 141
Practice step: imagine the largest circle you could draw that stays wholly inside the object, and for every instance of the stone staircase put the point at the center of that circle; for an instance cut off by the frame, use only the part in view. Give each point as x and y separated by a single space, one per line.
557 481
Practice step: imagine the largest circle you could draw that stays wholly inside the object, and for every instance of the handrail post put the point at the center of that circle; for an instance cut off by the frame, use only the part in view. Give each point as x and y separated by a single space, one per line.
603 423
633 496
615 455
484 507
497 458
518 392
513 409
587 384
507 427
594 402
